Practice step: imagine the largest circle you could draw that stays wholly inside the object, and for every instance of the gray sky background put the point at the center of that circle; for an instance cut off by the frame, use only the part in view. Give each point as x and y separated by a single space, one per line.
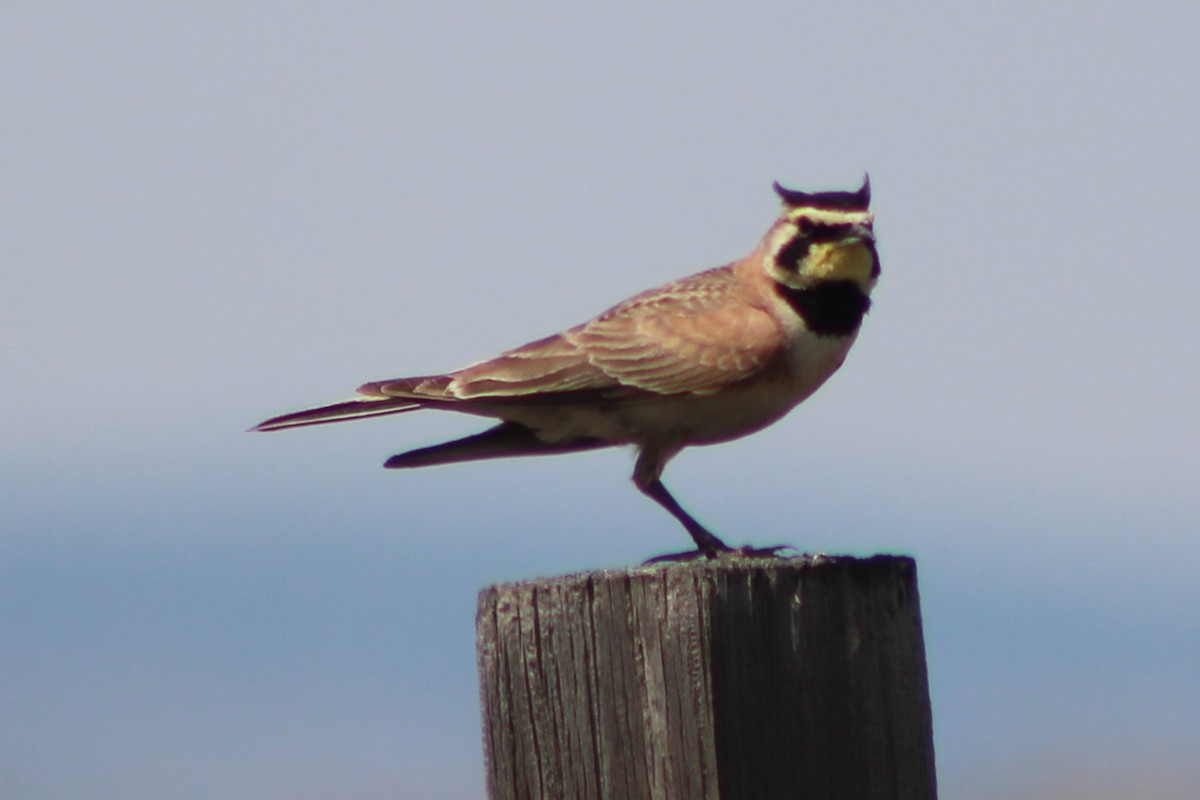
215 212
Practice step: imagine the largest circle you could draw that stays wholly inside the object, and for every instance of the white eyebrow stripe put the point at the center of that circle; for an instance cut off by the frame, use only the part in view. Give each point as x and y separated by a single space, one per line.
829 216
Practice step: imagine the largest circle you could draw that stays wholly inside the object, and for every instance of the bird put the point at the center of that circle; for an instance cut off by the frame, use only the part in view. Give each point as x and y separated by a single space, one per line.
705 359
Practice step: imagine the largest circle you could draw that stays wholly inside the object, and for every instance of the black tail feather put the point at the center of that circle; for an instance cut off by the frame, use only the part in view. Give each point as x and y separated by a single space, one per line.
505 440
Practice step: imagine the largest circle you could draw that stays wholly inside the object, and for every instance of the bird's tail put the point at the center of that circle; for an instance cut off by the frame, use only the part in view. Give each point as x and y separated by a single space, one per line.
379 399
503 441
338 412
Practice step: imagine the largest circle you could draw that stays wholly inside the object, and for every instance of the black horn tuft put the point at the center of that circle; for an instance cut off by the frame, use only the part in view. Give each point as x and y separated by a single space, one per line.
847 201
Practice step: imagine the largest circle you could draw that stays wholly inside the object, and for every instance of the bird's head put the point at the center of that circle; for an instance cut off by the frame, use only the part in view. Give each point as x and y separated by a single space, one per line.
823 237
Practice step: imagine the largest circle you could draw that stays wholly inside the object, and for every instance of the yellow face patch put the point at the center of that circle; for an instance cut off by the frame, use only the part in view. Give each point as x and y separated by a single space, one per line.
838 261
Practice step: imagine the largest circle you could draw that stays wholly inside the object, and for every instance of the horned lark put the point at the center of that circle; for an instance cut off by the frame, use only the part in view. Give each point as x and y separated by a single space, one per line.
706 359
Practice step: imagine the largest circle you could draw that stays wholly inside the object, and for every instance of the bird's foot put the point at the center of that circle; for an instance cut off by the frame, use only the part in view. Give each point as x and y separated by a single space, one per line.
686 555
724 553
774 551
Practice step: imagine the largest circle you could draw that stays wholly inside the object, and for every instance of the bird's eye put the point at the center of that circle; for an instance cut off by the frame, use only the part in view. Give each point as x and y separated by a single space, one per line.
792 253
805 226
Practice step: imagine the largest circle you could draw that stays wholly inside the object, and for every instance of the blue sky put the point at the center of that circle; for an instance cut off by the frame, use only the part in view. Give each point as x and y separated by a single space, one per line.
216 212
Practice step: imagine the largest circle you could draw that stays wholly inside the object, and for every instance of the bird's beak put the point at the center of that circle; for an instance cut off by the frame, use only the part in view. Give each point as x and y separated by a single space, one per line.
863 232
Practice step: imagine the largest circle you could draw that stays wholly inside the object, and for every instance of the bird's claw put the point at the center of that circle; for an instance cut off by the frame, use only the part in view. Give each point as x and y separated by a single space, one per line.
728 554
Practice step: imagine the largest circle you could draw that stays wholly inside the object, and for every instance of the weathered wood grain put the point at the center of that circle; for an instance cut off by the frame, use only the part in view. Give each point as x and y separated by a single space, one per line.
750 678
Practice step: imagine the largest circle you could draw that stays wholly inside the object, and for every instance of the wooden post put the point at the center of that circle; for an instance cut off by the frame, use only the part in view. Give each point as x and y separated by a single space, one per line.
752 678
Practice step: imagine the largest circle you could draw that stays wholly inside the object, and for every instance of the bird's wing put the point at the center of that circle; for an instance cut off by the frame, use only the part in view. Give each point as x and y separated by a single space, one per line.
693 336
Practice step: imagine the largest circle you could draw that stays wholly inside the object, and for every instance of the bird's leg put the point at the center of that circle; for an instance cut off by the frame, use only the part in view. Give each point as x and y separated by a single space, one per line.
647 476
706 540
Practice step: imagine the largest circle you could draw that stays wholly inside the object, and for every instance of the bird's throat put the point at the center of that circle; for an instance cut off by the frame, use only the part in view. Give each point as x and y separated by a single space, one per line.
829 308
